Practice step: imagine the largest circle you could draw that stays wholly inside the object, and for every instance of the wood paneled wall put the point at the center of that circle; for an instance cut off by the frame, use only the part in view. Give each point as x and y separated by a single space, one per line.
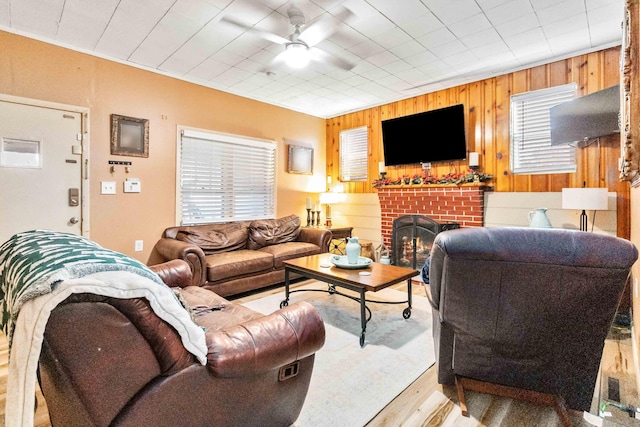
487 107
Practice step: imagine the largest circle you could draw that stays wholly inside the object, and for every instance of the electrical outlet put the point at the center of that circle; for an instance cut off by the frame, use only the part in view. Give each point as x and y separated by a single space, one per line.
139 245
108 187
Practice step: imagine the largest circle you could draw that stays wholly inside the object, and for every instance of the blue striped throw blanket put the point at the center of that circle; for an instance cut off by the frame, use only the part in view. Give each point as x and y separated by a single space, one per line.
33 262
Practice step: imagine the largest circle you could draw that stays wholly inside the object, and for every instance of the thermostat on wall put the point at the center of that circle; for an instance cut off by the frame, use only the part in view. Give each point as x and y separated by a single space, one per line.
132 185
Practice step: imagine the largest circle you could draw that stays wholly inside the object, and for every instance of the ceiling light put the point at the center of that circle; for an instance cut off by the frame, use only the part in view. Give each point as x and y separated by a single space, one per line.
297 55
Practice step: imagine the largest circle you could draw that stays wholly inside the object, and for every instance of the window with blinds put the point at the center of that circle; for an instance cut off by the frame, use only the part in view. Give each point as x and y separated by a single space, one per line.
354 145
225 178
531 149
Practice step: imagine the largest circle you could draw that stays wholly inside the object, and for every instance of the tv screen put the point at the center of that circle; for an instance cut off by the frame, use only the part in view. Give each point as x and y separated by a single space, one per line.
587 117
432 136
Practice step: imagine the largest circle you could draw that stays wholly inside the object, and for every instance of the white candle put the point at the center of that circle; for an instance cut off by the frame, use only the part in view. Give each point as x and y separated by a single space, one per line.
473 159
308 202
318 204
381 168
313 206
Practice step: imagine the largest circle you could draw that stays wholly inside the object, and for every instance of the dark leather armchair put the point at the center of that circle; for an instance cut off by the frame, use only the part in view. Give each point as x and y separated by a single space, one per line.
108 361
525 308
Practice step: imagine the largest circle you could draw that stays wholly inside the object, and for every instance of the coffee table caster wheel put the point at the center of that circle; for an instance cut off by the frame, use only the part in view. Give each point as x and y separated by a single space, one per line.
362 340
406 313
284 303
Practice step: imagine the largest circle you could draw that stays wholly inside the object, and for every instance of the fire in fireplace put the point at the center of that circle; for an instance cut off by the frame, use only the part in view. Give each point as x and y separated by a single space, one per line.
412 237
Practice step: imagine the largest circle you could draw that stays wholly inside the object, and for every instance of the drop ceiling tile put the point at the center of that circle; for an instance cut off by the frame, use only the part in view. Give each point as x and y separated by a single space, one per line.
375 74
4 13
482 38
391 38
437 69
461 59
397 67
490 49
606 15
454 11
560 11
543 4
382 58
220 4
399 13
420 59
471 25
197 10
448 49
595 4
490 4
412 76
40 18
372 26
566 42
421 25
366 49
571 24
519 25
79 30
232 76
602 35
508 11
408 49
436 38
346 37
208 69
247 12
228 56
249 65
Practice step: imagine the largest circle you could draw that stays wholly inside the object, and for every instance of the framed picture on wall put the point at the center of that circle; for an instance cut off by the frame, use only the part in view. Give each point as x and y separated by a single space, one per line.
300 160
129 136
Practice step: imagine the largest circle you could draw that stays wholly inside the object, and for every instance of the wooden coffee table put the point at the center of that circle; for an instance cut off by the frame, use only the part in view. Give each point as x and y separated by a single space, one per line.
381 276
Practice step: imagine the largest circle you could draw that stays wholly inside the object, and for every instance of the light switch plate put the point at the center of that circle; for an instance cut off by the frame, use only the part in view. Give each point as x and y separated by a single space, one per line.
132 185
138 245
108 187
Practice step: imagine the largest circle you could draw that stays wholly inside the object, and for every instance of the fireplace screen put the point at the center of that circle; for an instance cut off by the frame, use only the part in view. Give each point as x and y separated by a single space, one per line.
412 237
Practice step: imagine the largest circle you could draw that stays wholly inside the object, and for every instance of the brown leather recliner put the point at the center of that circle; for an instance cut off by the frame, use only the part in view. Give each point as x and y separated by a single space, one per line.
108 361
526 308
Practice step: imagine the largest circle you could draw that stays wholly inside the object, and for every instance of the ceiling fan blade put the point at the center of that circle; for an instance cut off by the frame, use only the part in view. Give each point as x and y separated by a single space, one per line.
262 34
322 28
322 56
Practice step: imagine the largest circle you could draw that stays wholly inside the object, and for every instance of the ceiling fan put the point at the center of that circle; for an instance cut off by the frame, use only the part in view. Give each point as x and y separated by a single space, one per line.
299 47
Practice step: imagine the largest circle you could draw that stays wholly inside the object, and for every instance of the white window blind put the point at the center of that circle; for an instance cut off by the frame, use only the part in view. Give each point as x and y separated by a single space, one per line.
531 149
354 145
225 178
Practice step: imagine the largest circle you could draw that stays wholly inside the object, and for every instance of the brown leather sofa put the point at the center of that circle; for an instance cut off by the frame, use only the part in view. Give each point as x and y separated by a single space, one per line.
526 308
113 362
238 257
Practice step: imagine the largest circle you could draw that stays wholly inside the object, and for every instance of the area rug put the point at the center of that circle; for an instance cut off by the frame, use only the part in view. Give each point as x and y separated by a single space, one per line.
350 384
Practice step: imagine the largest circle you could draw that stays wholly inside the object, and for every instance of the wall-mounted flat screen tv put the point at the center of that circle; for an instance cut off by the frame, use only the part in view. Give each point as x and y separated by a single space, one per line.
587 117
432 136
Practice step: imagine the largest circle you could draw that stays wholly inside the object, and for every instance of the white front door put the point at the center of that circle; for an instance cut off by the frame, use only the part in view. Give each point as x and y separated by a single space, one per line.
40 169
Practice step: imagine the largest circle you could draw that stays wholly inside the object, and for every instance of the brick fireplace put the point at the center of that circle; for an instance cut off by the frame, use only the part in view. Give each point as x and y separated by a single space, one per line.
463 204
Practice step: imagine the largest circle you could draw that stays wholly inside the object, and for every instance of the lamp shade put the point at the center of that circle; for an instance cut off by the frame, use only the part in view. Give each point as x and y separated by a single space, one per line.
589 199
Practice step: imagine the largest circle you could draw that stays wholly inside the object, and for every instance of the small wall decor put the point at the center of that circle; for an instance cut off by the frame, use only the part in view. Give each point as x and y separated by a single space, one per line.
129 136
300 160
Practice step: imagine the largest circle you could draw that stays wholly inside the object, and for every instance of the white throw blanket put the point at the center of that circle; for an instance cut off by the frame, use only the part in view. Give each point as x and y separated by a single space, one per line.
34 314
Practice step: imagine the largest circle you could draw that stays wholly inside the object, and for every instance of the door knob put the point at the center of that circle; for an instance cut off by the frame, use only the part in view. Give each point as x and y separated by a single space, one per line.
74 220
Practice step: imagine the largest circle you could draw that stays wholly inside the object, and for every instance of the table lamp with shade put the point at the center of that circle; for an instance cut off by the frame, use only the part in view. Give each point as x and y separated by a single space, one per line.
585 199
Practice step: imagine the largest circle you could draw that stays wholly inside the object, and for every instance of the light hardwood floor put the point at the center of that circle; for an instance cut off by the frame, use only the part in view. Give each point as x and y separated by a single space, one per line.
426 403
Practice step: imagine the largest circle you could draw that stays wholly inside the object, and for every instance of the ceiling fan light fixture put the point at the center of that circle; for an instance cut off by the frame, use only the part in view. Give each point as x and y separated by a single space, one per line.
297 55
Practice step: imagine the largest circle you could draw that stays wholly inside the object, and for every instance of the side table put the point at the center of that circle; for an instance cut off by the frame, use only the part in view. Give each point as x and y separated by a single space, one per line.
338 241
